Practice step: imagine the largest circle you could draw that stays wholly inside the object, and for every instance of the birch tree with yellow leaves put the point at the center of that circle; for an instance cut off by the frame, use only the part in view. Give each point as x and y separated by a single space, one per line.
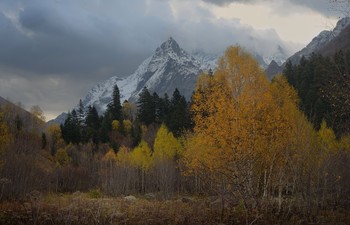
166 149
230 112
141 157
243 129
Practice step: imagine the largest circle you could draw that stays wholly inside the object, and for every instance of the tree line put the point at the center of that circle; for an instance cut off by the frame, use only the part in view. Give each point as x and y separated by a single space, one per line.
323 85
123 121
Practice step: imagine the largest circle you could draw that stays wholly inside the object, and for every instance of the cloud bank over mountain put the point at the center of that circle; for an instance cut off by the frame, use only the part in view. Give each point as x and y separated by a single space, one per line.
59 48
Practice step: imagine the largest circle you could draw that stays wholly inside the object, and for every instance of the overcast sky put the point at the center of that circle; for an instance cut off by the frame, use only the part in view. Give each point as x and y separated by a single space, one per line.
53 51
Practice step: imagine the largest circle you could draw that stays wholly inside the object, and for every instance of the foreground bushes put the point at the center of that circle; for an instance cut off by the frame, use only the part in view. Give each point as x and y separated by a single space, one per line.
79 209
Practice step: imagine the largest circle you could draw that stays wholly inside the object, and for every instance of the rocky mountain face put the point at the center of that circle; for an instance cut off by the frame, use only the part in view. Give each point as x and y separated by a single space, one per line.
273 69
326 43
168 68
325 40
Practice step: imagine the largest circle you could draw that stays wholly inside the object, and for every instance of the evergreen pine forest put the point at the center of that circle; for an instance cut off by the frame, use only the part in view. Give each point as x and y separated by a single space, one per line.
242 150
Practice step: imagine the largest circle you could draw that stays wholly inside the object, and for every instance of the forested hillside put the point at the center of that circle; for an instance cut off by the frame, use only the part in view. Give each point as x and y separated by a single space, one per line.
323 85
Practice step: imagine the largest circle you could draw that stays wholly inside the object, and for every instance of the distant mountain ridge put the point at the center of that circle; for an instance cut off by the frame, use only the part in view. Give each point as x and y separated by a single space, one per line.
325 40
29 121
168 68
326 43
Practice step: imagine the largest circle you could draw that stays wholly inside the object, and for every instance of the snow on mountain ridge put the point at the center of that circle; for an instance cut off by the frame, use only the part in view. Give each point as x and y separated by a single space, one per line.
170 67
321 40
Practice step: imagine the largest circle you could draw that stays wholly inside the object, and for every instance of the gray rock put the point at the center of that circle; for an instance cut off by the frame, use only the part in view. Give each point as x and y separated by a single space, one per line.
130 198
150 196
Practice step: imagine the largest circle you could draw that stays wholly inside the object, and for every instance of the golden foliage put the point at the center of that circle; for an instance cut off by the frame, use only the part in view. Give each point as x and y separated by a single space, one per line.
54 131
141 156
243 124
230 110
110 156
115 125
62 157
129 110
123 156
328 140
127 126
166 146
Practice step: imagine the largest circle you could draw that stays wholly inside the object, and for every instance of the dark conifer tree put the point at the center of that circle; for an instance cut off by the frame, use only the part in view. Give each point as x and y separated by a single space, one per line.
157 104
163 109
113 112
92 122
322 85
106 127
178 114
146 107
115 107
71 129
43 141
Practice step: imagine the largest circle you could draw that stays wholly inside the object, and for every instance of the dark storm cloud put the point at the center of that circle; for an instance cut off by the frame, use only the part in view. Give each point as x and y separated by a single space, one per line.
322 6
74 43
53 51
51 36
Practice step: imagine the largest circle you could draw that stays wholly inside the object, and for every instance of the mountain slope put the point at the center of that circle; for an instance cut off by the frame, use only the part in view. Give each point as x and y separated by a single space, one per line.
170 67
340 42
327 42
273 69
12 112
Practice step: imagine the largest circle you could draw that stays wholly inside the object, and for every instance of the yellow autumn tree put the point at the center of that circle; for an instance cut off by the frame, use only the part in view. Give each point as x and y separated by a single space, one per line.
243 124
127 126
166 149
291 142
129 110
141 157
55 140
280 112
115 125
108 170
123 156
166 145
62 157
229 110
110 156
345 143
328 140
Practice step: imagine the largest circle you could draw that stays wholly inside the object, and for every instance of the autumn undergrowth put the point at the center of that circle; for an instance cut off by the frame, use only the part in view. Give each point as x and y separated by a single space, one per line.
82 208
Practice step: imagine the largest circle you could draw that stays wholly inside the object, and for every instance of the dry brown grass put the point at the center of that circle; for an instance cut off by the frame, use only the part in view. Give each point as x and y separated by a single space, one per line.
79 209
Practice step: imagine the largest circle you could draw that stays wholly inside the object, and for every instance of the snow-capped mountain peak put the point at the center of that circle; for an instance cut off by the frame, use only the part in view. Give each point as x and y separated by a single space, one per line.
169 47
168 68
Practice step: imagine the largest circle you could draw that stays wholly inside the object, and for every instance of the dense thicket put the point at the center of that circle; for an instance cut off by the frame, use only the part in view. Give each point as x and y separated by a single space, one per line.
323 85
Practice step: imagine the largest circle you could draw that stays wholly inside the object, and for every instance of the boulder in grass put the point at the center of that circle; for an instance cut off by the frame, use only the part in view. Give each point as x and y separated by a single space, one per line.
130 198
150 196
